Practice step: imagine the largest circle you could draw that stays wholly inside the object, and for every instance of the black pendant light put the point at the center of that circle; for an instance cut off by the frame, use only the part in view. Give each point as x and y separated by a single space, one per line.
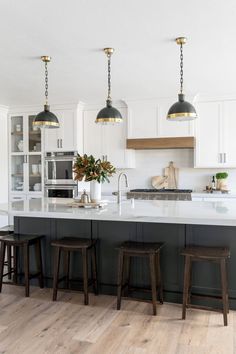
109 114
181 110
46 118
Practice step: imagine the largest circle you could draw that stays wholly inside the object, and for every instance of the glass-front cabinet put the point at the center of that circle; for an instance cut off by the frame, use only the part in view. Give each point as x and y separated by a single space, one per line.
25 165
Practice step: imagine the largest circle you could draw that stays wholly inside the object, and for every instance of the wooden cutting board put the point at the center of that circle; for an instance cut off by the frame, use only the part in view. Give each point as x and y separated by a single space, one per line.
172 174
160 182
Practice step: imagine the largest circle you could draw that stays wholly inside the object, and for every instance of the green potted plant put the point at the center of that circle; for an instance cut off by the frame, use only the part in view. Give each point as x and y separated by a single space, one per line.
95 171
221 178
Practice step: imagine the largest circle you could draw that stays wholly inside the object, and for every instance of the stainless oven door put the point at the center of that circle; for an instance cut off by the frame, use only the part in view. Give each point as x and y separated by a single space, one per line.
59 171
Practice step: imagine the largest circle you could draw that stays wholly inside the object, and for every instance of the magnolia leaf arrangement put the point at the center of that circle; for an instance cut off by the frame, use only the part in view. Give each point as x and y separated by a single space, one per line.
88 168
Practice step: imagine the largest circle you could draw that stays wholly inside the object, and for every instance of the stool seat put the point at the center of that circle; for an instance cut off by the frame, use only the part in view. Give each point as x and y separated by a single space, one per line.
206 252
73 242
141 247
6 230
19 238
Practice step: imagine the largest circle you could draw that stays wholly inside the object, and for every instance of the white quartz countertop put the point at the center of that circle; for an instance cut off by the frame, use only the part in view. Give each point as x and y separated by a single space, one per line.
153 211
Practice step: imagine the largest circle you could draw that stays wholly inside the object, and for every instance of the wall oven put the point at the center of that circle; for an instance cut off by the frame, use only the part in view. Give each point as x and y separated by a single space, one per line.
61 191
59 168
59 177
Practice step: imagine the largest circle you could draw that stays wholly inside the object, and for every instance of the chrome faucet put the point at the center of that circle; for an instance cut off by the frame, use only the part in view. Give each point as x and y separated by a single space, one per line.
126 184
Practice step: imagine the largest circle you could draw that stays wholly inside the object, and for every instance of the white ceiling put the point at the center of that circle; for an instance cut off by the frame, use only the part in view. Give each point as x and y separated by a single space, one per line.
146 60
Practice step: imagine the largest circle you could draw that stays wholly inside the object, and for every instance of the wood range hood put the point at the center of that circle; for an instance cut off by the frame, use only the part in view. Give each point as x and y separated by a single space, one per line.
185 142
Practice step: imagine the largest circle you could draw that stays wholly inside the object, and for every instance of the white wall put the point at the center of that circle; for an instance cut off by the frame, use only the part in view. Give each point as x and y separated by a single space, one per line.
152 162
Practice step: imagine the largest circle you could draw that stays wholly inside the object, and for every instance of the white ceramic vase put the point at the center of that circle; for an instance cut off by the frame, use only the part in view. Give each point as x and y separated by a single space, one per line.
95 191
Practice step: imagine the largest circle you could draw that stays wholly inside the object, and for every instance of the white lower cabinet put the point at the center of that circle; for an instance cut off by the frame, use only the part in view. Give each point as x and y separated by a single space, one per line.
215 134
107 141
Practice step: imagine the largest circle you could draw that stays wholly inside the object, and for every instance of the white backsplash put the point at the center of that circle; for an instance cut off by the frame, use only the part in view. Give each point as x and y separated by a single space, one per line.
152 162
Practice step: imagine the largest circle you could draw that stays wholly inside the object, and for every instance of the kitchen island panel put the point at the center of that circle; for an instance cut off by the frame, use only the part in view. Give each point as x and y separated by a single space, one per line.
110 235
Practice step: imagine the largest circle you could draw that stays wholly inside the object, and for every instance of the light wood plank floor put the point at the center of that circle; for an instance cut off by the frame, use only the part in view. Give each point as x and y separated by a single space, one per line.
36 325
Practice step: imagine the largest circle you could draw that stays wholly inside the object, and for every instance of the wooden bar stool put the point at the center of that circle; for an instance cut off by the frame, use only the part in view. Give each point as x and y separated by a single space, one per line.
8 229
75 244
140 249
22 241
205 254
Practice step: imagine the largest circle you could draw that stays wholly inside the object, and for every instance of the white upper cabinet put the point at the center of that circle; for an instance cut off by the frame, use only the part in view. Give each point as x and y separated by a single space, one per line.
147 119
229 129
93 139
64 137
208 135
107 141
215 134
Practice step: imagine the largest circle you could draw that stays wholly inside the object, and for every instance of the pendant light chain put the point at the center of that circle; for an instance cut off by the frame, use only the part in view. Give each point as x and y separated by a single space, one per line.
181 68
109 77
46 82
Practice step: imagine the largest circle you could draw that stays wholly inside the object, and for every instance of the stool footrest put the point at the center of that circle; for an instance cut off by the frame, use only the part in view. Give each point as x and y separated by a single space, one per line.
201 307
210 297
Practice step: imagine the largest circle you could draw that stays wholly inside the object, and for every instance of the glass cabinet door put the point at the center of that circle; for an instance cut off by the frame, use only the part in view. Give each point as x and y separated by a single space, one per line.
35 173
17 134
34 136
17 173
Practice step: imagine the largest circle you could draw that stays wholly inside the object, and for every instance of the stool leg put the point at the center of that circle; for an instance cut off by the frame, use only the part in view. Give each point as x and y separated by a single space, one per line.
94 270
186 285
190 283
224 290
57 257
26 268
15 263
85 274
67 267
2 259
153 282
39 262
159 278
120 278
9 261
126 275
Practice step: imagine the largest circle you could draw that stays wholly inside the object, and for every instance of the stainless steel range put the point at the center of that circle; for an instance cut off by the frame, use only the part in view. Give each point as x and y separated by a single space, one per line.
160 194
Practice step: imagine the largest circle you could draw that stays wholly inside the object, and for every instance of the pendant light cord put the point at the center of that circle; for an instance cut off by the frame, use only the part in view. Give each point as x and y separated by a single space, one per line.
109 77
46 82
181 68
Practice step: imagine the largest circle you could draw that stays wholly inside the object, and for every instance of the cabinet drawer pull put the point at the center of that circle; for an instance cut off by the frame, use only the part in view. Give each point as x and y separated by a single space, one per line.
58 143
220 157
61 143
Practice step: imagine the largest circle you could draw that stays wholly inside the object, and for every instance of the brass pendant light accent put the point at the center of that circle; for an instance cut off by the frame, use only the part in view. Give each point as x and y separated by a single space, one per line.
109 114
46 118
181 110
